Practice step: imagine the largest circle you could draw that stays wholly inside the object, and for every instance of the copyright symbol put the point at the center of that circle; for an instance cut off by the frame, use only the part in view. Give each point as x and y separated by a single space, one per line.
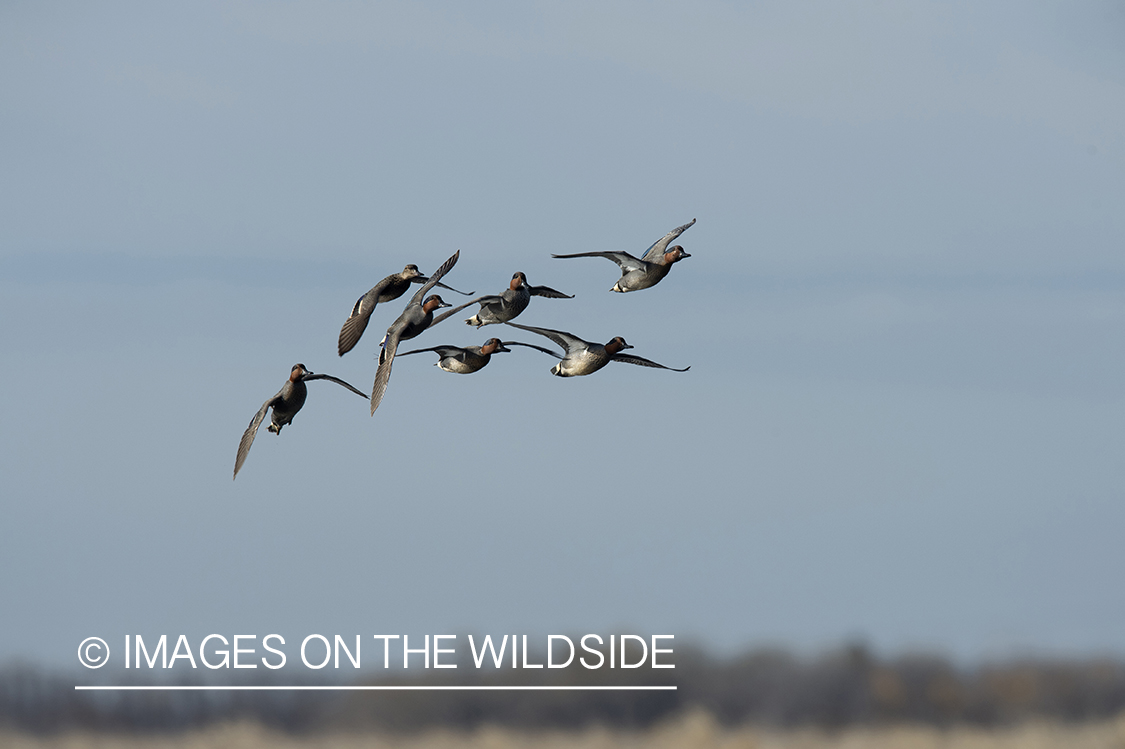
93 652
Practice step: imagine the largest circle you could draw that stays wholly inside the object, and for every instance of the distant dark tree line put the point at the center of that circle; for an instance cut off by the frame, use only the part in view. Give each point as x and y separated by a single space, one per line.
841 688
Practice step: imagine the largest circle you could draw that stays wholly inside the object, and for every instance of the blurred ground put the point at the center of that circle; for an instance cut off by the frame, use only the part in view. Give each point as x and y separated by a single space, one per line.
694 730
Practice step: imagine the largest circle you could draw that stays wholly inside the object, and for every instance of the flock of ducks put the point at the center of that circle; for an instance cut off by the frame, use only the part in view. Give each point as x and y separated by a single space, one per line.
579 357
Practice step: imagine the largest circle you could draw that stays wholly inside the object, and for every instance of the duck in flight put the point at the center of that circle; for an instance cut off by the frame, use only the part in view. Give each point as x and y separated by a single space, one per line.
469 359
387 290
288 401
583 357
647 270
417 316
498 308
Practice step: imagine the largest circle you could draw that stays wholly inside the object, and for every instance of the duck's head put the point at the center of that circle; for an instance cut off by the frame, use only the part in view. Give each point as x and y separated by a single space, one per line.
616 346
433 301
298 372
675 254
492 345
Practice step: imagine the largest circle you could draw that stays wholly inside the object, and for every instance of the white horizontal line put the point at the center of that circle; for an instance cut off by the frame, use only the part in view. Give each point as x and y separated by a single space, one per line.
362 688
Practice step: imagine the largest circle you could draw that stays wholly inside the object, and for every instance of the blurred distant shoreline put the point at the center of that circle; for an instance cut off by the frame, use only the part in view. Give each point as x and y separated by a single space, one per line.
848 688
695 730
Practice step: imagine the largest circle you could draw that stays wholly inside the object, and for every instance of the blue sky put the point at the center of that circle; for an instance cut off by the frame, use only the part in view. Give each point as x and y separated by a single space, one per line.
903 314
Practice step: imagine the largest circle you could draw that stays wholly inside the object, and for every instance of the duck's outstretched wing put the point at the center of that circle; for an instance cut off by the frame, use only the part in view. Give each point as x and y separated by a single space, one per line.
451 312
442 351
361 314
423 279
383 374
623 259
532 345
337 380
641 361
548 292
568 341
652 254
251 432
433 279
390 342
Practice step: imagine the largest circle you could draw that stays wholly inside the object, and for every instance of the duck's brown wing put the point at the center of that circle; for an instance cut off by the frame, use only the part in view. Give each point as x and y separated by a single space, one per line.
357 321
337 380
442 351
423 279
567 341
451 312
548 292
532 345
251 432
623 259
433 279
643 362
652 254
352 332
383 374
